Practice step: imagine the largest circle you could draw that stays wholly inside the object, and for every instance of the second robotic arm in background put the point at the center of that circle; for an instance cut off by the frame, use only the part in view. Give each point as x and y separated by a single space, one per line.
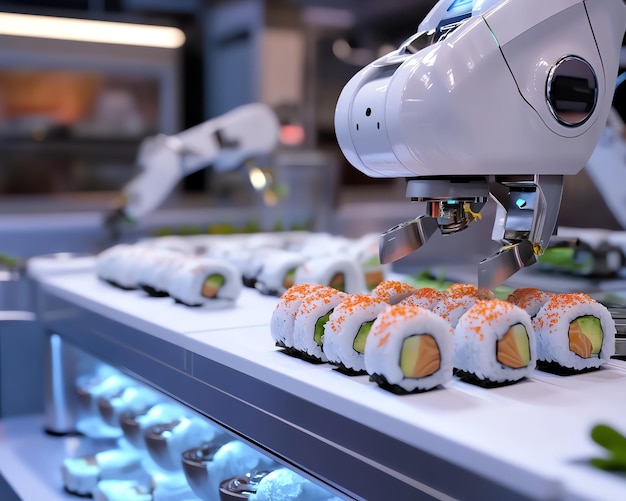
224 143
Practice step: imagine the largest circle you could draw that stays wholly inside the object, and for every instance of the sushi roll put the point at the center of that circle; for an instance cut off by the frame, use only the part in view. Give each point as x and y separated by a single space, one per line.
529 299
574 334
312 315
409 350
122 490
494 344
323 244
82 474
284 315
131 399
452 307
205 467
154 274
425 297
365 251
278 272
205 282
347 329
341 273
109 261
135 424
393 291
283 484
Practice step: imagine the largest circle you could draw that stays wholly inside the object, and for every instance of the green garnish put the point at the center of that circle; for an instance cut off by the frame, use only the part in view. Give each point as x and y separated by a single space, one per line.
615 443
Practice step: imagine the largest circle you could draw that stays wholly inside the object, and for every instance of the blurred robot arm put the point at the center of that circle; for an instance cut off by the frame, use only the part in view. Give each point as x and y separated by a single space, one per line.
224 143
607 166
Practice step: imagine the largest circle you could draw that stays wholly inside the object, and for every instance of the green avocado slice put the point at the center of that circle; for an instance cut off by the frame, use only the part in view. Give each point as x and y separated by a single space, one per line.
361 336
212 285
318 333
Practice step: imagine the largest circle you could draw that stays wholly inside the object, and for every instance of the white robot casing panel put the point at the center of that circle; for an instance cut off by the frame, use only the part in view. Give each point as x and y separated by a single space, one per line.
475 102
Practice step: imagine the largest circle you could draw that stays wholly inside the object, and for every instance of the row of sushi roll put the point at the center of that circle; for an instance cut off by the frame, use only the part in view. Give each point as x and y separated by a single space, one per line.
165 452
411 339
208 270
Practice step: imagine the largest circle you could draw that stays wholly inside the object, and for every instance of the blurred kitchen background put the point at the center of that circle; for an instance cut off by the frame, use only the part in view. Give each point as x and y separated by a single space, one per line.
73 114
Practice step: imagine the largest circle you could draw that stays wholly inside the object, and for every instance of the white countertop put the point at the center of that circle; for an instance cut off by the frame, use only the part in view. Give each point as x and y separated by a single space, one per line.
532 436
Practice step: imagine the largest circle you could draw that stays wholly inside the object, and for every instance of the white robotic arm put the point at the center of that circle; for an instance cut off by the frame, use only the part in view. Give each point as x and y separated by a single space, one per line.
490 99
224 142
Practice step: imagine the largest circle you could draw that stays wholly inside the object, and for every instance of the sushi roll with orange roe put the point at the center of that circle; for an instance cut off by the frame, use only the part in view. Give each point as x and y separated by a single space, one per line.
409 350
426 297
459 298
346 331
312 315
494 344
529 299
574 334
459 289
393 291
284 315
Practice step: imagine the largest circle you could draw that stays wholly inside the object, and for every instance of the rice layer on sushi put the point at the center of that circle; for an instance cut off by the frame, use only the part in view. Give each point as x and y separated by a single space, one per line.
393 291
494 344
425 297
312 315
284 315
205 282
409 349
452 307
574 334
345 333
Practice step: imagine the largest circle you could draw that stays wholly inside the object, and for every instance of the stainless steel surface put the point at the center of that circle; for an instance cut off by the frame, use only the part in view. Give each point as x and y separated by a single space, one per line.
550 190
494 270
405 238
63 364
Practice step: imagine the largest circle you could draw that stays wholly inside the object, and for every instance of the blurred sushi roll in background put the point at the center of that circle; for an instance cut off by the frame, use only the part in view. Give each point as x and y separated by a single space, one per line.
341 273
152 271
205 282
135 424
364 251
118 490
409 349
323 244
109 261
311 317
131 399
393 291
574 334
81 475
89 388
494 344
278 272
205 467
347 329
284 315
